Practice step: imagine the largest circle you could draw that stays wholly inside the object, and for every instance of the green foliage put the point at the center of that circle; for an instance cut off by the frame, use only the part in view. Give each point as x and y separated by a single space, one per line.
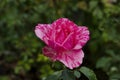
4 78
77 74
88 73
54 76
21 50
67 75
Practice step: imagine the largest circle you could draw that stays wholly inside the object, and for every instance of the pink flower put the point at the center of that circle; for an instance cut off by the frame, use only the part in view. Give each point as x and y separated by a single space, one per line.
64 41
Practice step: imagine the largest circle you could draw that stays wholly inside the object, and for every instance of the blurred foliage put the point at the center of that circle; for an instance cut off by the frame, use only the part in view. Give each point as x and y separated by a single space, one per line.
21 51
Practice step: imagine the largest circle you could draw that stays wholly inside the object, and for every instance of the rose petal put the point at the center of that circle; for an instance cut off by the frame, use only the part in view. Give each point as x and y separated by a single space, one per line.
43 32
57 47
82 36
72 59
49 52
63 28
69 41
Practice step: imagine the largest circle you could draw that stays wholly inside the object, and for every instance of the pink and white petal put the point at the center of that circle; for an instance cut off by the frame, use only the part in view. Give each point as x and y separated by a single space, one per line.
57 47
63 27
82 36
49 52
43 31
69 41
60 36
72 59
64 23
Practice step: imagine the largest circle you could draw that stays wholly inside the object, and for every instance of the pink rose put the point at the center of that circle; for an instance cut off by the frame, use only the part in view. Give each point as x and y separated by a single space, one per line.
64 41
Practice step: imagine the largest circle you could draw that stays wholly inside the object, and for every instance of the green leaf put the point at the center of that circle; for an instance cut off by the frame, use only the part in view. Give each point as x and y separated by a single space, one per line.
77 73
88 73
67 75
54 76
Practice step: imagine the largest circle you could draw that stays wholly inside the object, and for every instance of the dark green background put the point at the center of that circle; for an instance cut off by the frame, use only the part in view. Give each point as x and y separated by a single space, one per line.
20 50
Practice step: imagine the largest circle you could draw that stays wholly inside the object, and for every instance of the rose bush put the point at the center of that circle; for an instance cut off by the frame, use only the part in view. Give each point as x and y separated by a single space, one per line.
64 41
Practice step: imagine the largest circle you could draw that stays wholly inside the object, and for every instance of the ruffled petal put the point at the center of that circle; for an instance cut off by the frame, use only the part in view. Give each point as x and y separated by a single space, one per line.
63 27
49 52
43 32
57 47
53 50
82 36
69 41
72 59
